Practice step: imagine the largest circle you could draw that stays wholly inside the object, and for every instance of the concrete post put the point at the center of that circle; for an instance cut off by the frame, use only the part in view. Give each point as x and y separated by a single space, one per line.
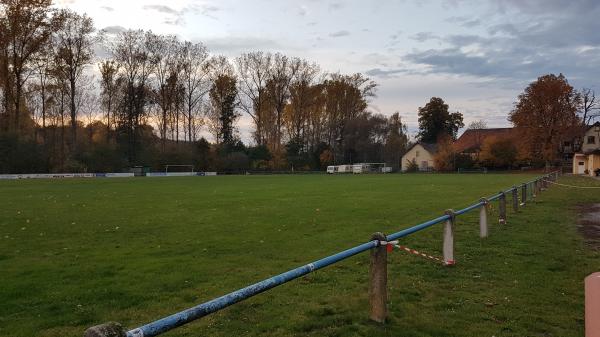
592 305
534 189
111 329
378 281
483 223
502 208
523 194
515 198
448 245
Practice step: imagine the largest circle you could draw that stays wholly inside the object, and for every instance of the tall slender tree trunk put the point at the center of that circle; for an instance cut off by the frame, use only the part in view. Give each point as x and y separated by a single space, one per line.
73 115
17 112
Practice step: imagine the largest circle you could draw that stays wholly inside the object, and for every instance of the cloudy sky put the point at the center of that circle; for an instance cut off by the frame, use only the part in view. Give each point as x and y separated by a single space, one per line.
476 55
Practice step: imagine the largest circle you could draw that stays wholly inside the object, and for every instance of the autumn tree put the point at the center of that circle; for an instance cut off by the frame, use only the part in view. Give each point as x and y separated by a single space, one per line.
223 103
305 93
346 97
436 121
444 158
544 114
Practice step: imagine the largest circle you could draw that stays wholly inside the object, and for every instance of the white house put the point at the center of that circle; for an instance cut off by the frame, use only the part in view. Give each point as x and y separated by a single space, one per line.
421 154
588 160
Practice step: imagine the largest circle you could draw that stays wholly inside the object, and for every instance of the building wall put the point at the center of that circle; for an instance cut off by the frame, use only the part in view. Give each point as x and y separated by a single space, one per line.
585 147
591 163
420 155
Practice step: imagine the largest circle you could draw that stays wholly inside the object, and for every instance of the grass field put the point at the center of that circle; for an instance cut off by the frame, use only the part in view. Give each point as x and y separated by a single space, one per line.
76 253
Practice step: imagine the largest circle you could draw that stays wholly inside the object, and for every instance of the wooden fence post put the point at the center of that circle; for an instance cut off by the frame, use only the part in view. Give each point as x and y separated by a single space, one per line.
111 329
378 281
483 222
502 208
523 194
448 244
534 189
515 198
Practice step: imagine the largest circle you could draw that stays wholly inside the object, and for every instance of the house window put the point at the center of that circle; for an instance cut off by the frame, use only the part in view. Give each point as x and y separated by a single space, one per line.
591 140
417 153
566 144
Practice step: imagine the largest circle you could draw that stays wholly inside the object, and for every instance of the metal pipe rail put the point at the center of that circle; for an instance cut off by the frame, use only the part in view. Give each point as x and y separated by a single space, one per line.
183 317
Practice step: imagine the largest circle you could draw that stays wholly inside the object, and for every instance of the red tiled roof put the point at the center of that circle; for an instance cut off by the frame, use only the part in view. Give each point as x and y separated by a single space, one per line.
472 139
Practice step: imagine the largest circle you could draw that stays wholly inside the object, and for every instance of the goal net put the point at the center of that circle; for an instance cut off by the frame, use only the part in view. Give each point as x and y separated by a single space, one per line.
179 170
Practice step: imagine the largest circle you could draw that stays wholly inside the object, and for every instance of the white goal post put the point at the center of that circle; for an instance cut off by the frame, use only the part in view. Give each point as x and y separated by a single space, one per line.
180 166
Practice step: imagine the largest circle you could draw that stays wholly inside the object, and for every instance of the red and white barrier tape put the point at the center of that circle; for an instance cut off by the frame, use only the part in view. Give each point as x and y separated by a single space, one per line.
392 244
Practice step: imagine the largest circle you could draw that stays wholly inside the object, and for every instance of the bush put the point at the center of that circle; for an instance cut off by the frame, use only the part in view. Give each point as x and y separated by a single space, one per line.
412 166
499 153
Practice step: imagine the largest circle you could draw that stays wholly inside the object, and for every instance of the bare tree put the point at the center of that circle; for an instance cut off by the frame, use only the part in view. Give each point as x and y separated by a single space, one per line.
588 105
166 51
195 79
477 125
131 52
253 73
282 73
74 51
43 66
109 84
27 26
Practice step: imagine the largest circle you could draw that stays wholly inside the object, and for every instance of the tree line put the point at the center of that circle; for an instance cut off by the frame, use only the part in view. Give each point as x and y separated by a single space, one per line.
150 100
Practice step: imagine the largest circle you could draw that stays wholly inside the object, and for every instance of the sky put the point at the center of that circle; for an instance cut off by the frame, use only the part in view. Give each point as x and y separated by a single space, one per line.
477 55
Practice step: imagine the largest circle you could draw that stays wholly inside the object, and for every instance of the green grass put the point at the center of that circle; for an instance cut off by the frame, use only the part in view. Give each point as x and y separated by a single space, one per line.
76 253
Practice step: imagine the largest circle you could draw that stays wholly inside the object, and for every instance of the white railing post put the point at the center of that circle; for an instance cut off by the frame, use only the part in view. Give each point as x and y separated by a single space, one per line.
448 244
483 222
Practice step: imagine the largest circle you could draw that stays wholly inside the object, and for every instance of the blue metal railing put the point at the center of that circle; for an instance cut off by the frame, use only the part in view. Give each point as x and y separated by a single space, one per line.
178 319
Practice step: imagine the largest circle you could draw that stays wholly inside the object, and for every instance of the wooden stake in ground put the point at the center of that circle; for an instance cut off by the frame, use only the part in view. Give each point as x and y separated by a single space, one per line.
502 208
515 198
378 281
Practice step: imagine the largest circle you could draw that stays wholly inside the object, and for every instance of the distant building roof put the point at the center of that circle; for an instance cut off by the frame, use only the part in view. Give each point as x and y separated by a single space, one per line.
431 148
592 126
472 139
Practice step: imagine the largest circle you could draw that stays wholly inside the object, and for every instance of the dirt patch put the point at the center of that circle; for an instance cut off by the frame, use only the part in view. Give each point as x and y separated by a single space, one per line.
589 224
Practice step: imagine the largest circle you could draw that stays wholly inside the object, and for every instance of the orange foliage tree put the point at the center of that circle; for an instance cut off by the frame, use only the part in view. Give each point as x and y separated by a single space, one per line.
543 115
498 152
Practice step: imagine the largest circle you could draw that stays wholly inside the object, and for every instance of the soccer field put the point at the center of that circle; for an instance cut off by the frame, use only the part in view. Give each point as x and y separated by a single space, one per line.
76 253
